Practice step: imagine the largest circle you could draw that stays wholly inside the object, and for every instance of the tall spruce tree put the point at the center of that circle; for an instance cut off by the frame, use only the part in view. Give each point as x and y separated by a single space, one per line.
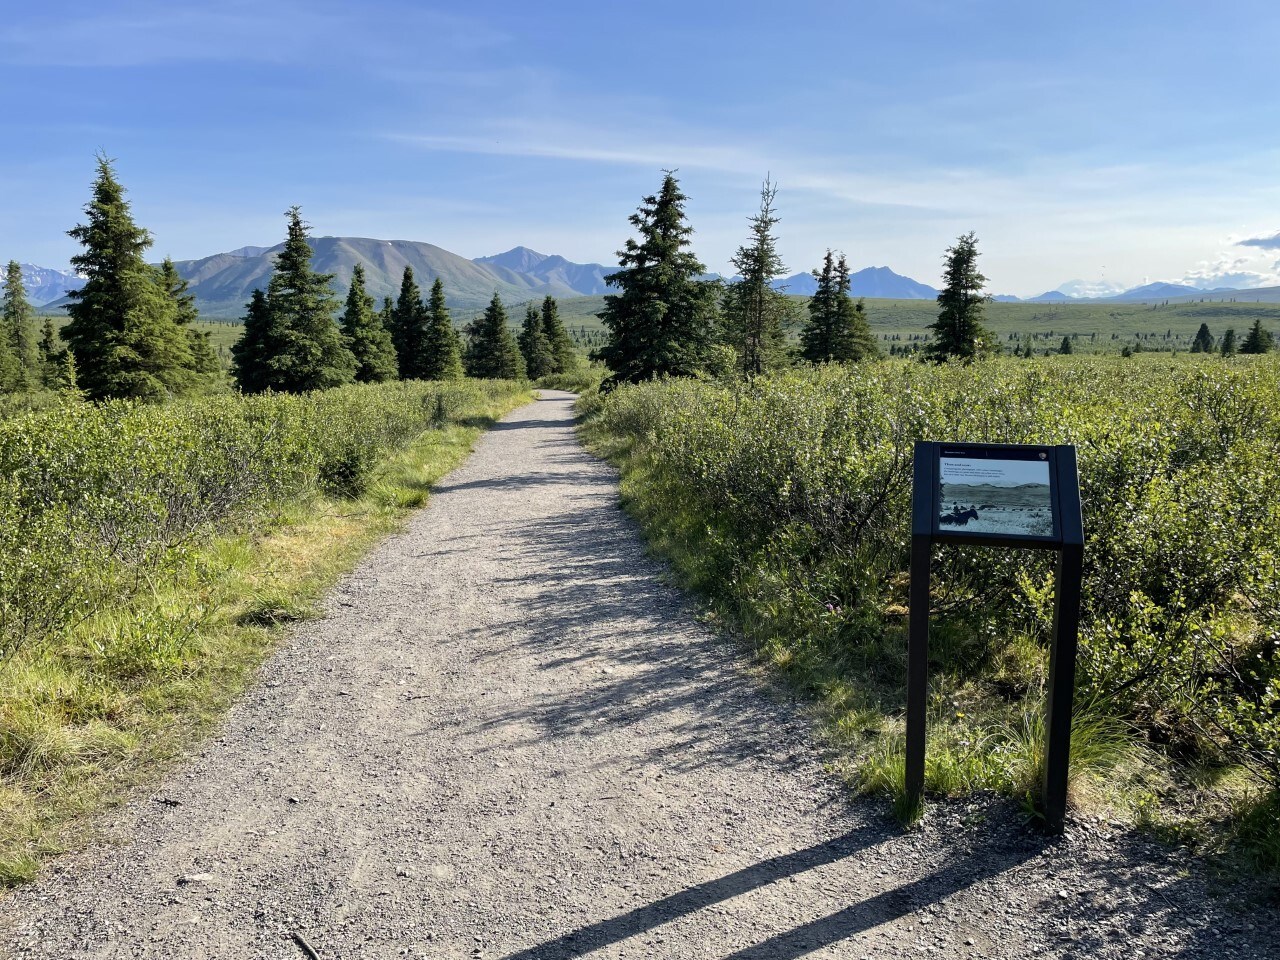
406 327
204 357
18 335
662 321
1258 340
564 354
257 344
441 350
819 342
854 340
365 336
753 310
123 327
534 345
309 352
492 353
1228 346
1203 343
959 332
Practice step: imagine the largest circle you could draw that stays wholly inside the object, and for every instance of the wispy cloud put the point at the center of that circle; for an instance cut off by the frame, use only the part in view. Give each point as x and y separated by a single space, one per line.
1265 243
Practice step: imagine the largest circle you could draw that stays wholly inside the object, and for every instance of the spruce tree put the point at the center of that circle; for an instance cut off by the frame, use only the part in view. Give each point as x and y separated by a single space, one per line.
19 331
441 351
534 345
818 340
1228 347
1065 346
564 354
492 353
854 340
662 320
204 358
406 327
837 329
1203 343
1257 340
123 326
257 344
753 310
310 353
959 331
365 336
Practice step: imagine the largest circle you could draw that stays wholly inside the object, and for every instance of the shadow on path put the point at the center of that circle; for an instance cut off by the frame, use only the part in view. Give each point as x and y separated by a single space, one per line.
961 873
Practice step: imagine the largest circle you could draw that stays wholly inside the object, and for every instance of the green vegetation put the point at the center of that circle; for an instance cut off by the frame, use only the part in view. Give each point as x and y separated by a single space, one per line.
491 349
149 556
366 337
662 322
959 333
124 328
837 328
754 313
534 345
786 500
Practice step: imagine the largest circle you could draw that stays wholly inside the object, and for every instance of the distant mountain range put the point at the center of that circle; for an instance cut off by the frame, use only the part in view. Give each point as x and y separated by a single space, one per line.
223 283
44 285
871 282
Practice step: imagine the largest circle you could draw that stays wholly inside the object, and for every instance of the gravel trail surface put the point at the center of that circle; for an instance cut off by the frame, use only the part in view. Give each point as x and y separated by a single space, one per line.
509 738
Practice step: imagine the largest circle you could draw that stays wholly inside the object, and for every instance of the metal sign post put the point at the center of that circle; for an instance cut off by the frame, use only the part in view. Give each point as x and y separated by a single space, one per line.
1002 495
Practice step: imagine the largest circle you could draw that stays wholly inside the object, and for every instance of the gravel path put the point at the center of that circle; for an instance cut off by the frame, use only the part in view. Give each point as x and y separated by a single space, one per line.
508 738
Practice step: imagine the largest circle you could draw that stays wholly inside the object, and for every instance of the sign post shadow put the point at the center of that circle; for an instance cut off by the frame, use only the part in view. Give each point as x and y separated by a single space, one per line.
998 495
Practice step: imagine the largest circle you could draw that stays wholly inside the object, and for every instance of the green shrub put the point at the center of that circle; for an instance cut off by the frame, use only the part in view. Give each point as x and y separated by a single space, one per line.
795 490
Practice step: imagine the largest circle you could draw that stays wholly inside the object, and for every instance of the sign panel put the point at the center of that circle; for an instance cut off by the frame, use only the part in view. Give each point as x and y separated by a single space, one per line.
991 492
1001 492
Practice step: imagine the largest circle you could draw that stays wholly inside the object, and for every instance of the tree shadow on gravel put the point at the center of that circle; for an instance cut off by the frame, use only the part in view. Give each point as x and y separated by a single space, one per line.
598 605
959 874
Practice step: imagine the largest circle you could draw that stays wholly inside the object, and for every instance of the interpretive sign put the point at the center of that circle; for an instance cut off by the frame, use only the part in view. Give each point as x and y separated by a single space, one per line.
995 491
1001 495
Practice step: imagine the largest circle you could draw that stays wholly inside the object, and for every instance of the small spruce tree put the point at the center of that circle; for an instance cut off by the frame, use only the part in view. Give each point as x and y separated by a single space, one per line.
818 340
1065 346
309 350
123 326
492 353
1203 343
204 358
19 333
257 344
854 340
564 354
1228 347
959 332
441 350
406 327
753 310
1258 340
365 336
534 345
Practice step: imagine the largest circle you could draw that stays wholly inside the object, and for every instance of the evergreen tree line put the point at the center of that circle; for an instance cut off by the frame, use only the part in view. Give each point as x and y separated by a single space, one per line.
130 331
666 320
292 343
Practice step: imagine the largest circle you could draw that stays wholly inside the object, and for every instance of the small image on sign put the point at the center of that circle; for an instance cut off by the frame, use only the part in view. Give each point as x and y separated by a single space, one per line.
1001 497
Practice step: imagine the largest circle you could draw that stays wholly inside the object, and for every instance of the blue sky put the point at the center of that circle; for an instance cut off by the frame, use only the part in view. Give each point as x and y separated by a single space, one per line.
1125 142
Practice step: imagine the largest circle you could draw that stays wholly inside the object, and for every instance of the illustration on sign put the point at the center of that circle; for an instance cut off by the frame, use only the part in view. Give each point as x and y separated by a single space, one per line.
1003 497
